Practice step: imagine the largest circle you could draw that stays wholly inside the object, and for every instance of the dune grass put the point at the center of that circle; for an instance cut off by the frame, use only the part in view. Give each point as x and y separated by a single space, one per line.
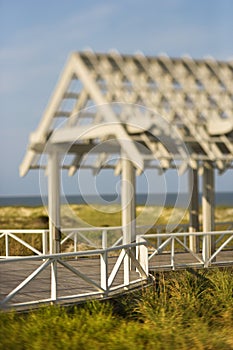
72 216
182 310
80 215
36 217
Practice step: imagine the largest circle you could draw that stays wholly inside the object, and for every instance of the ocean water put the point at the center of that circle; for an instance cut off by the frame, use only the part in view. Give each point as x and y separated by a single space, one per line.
170 199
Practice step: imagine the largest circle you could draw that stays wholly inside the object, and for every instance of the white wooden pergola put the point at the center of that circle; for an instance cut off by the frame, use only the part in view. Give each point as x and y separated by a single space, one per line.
156 112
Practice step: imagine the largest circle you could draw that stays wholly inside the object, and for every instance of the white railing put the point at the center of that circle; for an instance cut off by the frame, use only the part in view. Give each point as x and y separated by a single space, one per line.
57 267
103 237
9 236
173 245
94 237
76 239
99 273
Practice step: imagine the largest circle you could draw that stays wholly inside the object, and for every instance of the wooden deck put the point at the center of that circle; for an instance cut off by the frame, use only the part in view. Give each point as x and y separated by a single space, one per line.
69 284
72 288
183 260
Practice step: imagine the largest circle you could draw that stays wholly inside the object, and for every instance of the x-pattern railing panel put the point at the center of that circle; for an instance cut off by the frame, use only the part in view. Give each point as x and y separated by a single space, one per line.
100 282
94 237
107 279
17 236
204 258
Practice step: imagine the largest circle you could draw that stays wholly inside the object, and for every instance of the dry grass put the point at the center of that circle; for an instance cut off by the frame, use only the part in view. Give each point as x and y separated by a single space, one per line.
23 218
81 215
183 310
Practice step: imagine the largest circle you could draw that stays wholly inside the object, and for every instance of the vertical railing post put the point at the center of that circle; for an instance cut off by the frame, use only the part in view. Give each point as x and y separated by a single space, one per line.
126 268
104 263
44 242
7 244
158 238
54 280
104 239
206 248
75 241
173 253
142 254
104 271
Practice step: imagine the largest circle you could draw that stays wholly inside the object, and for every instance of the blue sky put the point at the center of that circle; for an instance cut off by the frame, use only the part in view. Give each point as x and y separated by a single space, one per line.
37 36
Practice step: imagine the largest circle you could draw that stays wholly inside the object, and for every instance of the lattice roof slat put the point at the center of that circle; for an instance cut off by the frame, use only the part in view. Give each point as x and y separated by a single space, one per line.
194 96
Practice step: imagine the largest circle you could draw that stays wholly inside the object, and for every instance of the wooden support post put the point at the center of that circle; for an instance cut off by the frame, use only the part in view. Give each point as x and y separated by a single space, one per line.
128 209
54 202
194 241
208 205
128 201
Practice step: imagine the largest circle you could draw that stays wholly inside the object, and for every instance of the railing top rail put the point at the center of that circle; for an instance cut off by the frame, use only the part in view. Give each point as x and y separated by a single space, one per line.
185 234
112 228
83 253
23 230
92 228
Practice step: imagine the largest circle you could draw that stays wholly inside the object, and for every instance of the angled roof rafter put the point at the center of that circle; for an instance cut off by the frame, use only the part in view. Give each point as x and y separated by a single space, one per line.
195 96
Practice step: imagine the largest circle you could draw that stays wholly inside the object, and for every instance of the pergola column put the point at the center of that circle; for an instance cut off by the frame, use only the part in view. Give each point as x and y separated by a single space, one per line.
194 241
128 209
54 201
128 201
208 206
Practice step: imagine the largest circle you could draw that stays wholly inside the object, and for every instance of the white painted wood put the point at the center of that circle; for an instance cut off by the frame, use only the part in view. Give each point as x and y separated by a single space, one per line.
87 132
219 126
128 200
54 200
208 206
142 254
80 274
128 208
116 269
105 239
104 271
7 246
26 163
45 242
194 242
44 261
54 280
122 136
46 121
26 281
27 245
184 88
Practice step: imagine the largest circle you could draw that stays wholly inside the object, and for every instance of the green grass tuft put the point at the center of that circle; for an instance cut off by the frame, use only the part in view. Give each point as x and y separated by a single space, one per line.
181 310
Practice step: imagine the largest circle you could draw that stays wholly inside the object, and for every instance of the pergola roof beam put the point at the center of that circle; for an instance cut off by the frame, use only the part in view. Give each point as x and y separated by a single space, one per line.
75 164
122 136
80 103
195 96
78 133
